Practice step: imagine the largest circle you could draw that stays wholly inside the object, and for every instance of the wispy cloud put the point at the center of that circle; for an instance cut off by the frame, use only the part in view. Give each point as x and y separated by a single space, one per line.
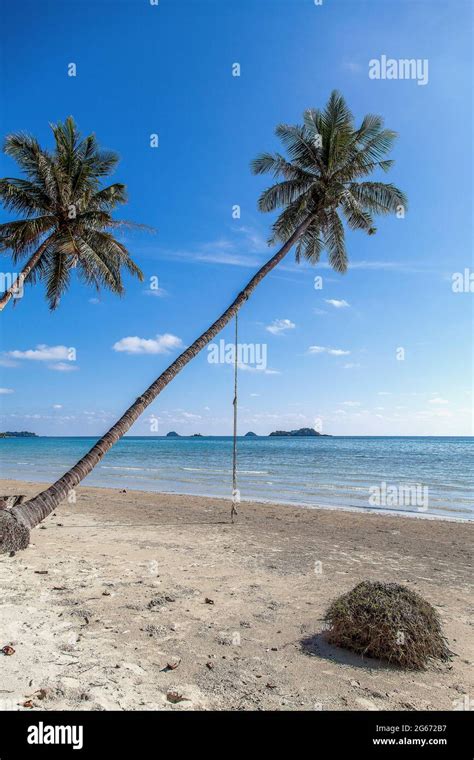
156 292
352 66
260 370
243 247
161 344
6 391
279 326
325 350
438 400
63 367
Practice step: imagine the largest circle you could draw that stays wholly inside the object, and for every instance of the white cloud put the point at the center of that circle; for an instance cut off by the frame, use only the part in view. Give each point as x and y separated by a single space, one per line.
94 301
351 365
5 362
57 406
162 344
337 304
438 400
324 350
42 353
5 391
279 326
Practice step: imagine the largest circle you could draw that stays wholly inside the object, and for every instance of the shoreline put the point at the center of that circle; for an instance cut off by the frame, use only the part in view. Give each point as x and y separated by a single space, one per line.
299 505
117 586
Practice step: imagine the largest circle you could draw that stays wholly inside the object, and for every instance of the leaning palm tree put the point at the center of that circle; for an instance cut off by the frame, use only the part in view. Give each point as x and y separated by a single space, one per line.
67 222
321 179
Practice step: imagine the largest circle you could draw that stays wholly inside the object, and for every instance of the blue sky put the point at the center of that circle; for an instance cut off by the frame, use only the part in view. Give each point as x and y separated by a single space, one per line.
167 69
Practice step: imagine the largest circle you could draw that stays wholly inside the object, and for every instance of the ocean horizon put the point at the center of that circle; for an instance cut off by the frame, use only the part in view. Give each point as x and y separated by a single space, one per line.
418 475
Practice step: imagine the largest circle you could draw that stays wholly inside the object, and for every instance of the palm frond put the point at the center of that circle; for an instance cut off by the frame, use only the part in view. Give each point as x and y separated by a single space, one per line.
335 243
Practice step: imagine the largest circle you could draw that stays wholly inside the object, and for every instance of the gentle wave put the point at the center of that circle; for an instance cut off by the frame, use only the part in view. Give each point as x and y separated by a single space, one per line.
332 472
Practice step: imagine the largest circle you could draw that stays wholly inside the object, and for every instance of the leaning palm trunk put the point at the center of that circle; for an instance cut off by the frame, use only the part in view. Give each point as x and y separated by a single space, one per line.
27 269
16 523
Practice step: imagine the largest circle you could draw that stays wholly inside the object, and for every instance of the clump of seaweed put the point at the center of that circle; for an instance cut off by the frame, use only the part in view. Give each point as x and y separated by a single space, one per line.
389 622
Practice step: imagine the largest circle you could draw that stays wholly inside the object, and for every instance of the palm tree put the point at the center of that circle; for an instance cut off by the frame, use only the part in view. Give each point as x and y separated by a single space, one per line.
67 215
327 157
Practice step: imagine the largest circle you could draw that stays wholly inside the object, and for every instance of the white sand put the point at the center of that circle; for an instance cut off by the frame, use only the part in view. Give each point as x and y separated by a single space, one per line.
124 596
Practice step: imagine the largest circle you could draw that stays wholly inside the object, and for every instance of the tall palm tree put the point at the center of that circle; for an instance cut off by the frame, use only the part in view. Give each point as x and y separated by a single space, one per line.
67 220
327 157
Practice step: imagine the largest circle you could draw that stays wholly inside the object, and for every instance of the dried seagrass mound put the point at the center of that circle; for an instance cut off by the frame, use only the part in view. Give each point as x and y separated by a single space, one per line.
389 622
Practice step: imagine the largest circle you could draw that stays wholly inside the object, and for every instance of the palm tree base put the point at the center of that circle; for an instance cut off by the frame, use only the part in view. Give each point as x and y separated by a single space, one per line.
14 535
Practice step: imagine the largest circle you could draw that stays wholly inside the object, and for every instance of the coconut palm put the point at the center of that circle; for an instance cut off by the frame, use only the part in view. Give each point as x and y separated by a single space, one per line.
321 179
67 222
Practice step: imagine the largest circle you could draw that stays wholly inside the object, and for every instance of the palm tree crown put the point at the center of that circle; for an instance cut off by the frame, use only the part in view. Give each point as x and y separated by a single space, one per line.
327 158
65 211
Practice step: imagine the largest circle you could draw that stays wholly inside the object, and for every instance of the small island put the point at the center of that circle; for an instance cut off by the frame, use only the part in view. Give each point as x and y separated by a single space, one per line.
196 435
302 432
172 434
250 434
18 434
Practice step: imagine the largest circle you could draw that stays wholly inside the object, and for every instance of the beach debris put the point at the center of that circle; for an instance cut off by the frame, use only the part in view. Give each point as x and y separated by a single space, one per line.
28 703
38 694
209 665
155 631
173 664
270 685
175 697
106 593
160 600
41 572
389 622
12 554
59 588
209 601
7 650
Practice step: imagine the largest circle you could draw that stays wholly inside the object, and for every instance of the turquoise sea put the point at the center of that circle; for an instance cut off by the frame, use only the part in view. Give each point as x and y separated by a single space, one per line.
425 476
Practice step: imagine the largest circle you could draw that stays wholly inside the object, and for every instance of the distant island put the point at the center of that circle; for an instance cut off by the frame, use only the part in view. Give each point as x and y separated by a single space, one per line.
303 432
16 434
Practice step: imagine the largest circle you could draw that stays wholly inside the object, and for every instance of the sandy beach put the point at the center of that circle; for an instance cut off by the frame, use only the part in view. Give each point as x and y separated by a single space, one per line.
130 600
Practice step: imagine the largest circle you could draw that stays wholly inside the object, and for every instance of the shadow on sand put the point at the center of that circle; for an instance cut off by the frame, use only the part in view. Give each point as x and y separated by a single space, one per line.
318 646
